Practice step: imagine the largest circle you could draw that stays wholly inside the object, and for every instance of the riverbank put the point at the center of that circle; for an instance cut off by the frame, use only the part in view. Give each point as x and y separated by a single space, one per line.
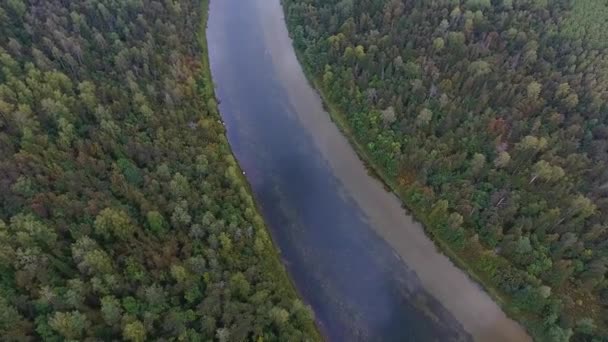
472 306
467 259
272 260
367 269
462 260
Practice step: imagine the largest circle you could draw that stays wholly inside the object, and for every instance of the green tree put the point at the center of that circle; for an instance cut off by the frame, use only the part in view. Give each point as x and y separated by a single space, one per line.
438 44
478 163
134 331
424 117
112 222
111 310
156 222
279 316
70 325
585 326
502 160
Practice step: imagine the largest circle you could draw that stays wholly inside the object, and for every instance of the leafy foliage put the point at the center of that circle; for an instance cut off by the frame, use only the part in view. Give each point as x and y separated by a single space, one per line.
122 213
490 119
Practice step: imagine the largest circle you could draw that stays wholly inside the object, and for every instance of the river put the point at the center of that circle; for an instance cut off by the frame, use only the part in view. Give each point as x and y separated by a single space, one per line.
365 267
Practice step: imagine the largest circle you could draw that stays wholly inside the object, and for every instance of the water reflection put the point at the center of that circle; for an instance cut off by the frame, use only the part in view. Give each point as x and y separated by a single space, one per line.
357 285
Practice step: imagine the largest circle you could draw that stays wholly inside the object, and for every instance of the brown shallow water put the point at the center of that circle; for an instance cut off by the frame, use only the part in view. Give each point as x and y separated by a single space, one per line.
366 268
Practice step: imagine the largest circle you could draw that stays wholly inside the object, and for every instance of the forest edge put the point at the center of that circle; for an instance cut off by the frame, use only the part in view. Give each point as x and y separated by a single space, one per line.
274 263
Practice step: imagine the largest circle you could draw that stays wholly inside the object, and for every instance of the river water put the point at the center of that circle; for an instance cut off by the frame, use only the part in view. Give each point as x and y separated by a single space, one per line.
366 268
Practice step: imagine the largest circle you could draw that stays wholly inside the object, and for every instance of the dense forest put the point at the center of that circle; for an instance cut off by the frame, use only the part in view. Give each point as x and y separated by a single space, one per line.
123 214
490 119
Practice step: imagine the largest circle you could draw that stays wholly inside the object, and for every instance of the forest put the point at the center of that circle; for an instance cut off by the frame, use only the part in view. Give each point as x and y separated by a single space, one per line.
123 214
489 118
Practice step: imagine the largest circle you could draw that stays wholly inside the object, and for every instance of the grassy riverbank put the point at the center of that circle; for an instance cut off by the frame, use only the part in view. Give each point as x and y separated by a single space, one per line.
272 264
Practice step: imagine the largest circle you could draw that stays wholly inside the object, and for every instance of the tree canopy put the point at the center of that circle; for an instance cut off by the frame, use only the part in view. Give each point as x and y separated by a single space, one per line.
123 215
490 119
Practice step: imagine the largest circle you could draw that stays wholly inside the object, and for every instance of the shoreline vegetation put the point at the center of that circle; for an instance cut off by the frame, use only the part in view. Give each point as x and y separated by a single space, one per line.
276 265
468 253
124 214
375 171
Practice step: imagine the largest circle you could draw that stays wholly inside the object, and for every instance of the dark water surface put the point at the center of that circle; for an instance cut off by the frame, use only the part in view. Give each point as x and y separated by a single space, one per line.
329 218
